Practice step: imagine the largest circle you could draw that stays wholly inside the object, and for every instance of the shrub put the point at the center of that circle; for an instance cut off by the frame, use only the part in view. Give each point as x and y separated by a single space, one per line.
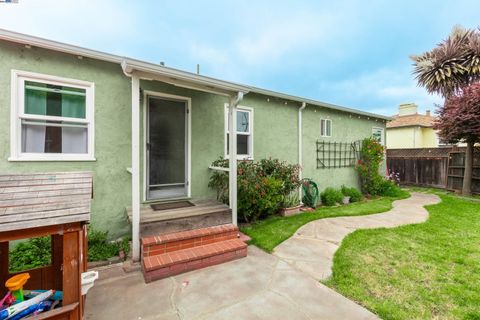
331 196
36 252
388 188
286 173
99 248
262 186
30 254
260 199
354 194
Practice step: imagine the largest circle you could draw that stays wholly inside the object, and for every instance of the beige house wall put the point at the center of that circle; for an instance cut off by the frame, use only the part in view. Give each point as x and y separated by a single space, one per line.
411 137
429 138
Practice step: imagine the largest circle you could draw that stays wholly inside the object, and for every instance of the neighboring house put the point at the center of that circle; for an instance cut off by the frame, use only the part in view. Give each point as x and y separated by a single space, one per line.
408 129
149 133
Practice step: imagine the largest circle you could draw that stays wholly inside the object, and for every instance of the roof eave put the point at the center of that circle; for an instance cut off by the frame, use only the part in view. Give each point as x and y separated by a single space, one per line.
182 78
409 125
166 72
318 103
57 46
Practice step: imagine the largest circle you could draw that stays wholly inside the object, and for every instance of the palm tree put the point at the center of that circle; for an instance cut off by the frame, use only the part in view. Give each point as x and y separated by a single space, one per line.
452 65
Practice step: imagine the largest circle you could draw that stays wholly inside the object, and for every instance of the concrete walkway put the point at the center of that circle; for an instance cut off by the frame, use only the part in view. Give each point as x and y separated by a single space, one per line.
260 286
312 247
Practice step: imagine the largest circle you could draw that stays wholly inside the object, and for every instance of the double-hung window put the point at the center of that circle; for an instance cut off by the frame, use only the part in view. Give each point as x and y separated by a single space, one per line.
378 134
325 127
244 133
51 118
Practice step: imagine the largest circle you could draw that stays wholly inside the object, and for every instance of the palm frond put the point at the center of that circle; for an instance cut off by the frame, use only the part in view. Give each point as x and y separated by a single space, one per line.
452 64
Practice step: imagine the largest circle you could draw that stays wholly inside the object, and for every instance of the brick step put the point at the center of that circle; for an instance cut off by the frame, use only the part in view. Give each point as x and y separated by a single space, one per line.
160 244
173 263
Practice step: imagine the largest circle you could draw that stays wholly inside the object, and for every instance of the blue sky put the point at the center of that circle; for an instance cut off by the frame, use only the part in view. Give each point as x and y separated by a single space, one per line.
351 53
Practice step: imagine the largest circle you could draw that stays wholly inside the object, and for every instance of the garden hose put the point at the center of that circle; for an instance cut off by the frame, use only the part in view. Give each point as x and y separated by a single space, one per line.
310 193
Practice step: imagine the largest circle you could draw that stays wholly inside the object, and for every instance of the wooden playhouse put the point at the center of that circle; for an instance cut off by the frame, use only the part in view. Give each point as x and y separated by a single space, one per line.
56 205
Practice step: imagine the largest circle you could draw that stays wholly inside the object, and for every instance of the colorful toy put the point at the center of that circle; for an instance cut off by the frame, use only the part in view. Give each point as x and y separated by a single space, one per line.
15 285
7 301
29 294
19 307
35 309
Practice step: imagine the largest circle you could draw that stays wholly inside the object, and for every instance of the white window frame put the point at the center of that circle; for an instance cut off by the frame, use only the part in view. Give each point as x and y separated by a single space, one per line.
17 113
324 134
249 110
382 137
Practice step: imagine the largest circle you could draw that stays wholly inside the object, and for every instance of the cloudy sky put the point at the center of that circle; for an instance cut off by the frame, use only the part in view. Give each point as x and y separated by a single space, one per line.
351 53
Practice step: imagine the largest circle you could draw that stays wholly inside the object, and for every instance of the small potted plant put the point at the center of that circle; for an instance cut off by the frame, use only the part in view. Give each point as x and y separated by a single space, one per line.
290 205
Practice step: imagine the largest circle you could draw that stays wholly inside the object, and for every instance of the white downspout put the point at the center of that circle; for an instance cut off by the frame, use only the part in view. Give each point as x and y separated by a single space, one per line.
300 147
135 170
232 175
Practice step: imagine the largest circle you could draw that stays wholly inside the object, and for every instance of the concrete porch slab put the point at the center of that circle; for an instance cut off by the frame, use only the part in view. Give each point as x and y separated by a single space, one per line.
260 286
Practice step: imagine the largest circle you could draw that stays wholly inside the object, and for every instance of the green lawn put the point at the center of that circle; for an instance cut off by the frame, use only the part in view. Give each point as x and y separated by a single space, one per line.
424 271
269 233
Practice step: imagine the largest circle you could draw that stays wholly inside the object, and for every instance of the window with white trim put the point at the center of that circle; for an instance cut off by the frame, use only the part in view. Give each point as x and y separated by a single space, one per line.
52 118
378 134
244 133
325 127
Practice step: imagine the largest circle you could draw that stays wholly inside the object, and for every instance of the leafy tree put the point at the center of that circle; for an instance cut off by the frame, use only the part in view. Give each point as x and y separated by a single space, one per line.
459 120
449 69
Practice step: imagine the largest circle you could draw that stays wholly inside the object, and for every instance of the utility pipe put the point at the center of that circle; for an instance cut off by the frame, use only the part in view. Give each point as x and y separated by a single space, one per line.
300 147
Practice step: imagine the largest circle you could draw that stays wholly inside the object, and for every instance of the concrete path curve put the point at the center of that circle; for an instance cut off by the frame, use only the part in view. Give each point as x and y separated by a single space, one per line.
312 247
258 287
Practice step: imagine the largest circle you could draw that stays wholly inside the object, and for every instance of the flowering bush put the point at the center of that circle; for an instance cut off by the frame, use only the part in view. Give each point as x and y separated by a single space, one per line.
368 166
394 177
262 186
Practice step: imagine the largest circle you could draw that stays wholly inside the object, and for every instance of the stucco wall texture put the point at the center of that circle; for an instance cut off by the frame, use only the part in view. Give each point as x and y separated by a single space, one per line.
275 131
411 137
112 186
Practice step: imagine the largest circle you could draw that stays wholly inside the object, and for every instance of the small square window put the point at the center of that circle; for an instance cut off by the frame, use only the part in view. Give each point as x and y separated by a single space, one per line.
325 127
378 134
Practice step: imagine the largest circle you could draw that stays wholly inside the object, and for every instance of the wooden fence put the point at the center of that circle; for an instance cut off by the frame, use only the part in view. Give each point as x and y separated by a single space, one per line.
433 167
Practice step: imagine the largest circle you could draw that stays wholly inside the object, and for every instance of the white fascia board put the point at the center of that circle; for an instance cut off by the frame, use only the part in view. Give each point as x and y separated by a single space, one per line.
57 46
131 65
317 103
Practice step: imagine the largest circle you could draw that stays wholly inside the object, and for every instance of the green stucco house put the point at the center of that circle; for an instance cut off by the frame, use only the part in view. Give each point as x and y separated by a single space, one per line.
149 133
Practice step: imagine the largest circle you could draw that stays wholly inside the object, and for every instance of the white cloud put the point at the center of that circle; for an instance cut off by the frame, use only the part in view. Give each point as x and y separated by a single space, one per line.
269 41
277 38
78 22
389 87
216 60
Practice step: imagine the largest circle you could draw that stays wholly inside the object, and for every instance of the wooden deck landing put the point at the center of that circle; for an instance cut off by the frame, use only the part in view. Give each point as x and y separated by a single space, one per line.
204 213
